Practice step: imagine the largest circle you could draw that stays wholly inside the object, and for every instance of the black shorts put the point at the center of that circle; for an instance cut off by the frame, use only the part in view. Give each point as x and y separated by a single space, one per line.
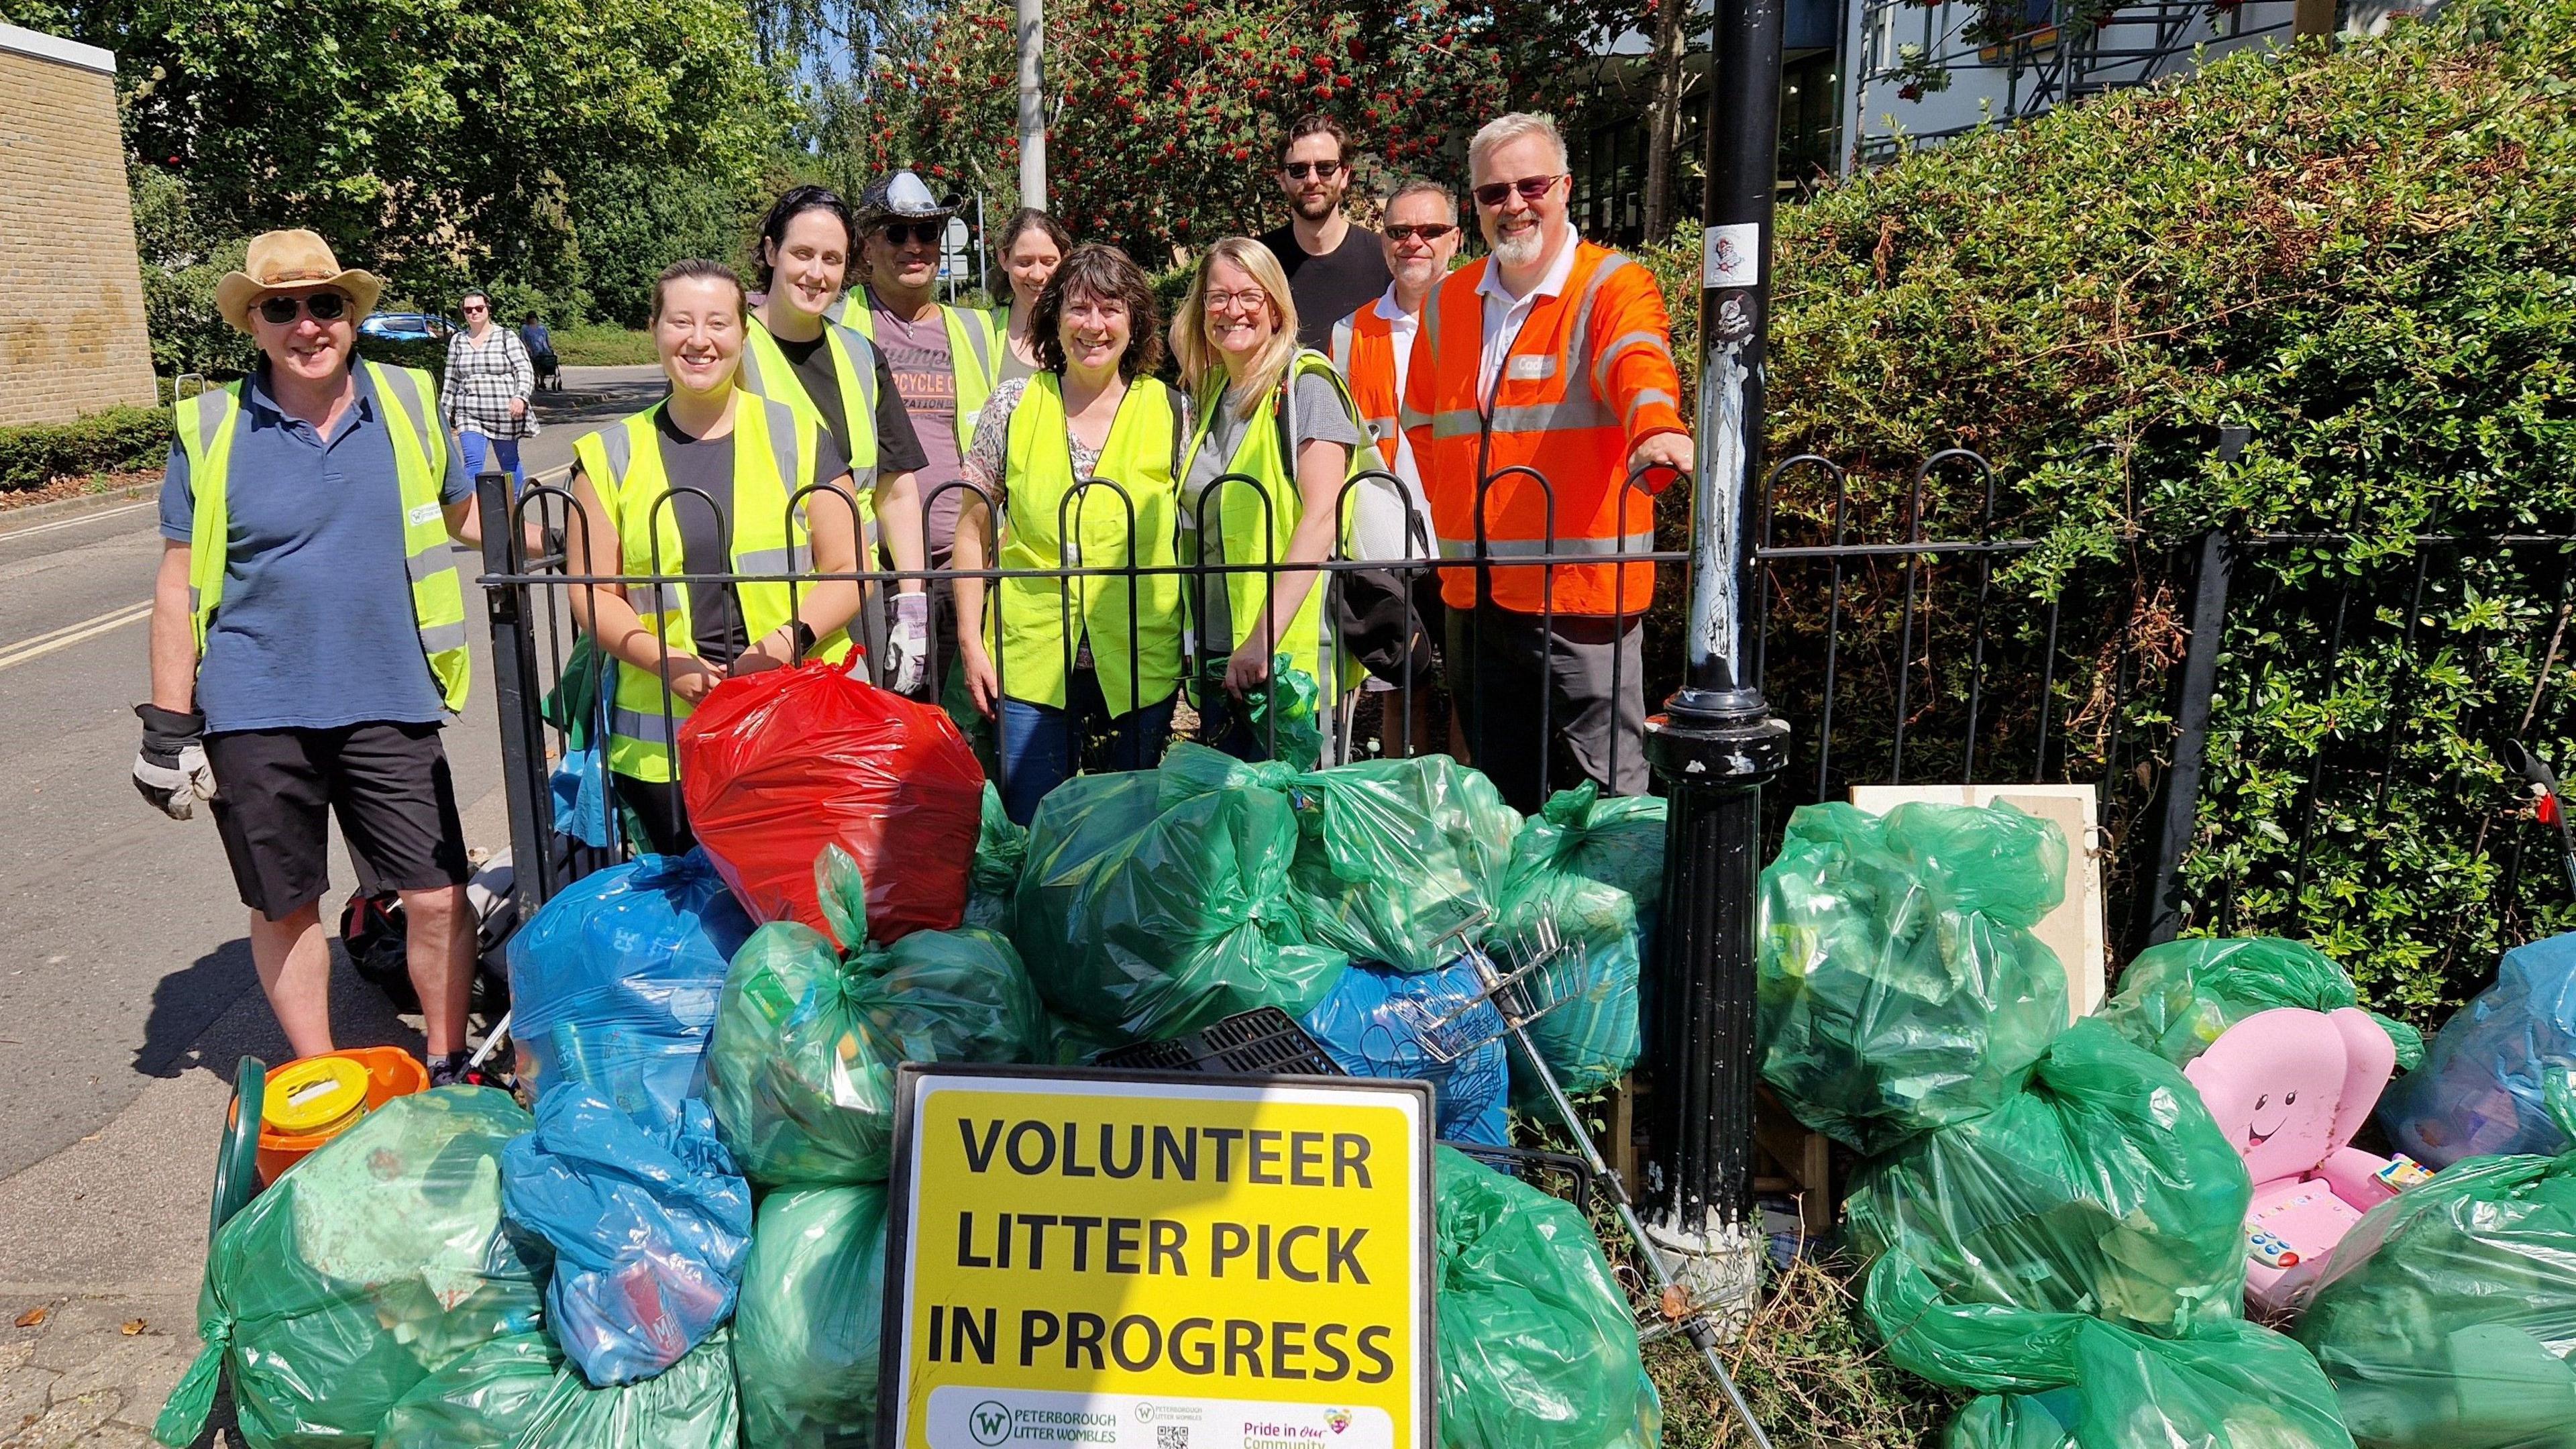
388 783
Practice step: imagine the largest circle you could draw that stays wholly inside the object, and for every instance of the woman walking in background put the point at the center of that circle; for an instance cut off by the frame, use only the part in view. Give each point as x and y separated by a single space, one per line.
485 396
1033 245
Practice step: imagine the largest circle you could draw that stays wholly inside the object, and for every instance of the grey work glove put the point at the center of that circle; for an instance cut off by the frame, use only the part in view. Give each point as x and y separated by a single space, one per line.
908 642
170 770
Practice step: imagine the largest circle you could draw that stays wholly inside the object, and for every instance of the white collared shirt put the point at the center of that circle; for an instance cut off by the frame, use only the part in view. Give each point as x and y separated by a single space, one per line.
1378 529
1504 313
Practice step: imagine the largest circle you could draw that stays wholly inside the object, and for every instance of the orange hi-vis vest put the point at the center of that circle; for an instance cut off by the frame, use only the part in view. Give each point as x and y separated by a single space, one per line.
1363 349
1589 375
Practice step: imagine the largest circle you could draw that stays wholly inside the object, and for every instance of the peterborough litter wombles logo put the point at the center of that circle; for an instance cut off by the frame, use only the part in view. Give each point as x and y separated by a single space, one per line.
1337 1419
989 1422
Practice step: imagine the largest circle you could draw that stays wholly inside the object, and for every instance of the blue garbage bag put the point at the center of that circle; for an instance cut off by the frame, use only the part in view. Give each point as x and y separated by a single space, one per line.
2480 1089
1381 1022
649 1223
580 789
625 968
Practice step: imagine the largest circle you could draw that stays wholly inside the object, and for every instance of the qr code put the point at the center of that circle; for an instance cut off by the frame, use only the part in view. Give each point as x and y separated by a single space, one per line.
1171 1436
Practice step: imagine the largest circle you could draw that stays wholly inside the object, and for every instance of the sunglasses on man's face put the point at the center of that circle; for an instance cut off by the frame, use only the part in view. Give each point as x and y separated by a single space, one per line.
473 309
1531 188
324 307
1428 231
1300 170
910 233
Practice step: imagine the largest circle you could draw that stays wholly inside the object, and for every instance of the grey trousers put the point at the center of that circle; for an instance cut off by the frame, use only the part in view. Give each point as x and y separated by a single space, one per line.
1540 708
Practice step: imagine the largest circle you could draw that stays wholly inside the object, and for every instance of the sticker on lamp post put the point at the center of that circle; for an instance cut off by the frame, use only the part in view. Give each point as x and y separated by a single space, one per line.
1147 1260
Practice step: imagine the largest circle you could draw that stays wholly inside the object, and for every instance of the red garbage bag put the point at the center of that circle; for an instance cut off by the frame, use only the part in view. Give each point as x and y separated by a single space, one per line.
777 765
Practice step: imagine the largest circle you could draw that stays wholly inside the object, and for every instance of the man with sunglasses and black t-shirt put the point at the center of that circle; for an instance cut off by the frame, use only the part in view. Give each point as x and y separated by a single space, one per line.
1332 266
308 637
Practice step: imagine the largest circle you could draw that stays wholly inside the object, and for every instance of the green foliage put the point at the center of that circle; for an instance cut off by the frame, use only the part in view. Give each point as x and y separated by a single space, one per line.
603 345
635 220
2366 256
1168 113
114 439
439 145
1810 1368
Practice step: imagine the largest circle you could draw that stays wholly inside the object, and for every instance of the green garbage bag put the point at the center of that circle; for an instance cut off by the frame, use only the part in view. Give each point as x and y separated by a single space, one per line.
1000 848
1156 921
1573 876
487 1398
2176 998
2069 1381
367 1267
515 1392
805 1336
1400 862
2101 1188
1900 987
1537 1350
2447 1316
800 1066
1292 695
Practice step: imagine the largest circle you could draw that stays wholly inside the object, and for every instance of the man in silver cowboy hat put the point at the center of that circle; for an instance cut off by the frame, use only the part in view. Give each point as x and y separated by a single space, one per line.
308 637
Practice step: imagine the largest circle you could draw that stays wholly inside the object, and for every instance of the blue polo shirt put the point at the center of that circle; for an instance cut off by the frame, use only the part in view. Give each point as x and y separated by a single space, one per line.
315 629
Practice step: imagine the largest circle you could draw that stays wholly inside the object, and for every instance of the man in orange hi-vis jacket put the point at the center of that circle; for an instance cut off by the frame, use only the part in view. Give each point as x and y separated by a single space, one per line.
1550 359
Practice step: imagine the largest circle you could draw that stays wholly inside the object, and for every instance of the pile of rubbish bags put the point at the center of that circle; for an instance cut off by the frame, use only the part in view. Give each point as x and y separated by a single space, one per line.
681 1242
2052 1219
2484 1084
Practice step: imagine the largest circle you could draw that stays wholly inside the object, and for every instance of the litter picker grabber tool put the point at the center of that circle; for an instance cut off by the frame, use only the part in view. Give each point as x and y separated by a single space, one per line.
2547 803
1550 972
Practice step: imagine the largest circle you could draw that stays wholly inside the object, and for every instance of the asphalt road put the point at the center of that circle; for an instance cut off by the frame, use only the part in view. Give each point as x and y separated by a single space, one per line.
123 953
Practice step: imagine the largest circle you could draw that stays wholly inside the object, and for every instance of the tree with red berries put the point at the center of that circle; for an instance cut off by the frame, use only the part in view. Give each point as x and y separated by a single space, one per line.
1166 115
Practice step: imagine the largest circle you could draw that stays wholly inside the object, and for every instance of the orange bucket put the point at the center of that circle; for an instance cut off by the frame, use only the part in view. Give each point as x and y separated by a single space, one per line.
390 1072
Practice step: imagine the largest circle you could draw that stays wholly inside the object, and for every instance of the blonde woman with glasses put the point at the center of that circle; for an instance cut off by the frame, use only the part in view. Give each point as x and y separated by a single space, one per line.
1275 437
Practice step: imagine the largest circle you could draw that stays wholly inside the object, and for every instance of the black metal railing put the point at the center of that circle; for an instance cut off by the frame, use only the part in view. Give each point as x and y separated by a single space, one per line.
529 586
1909 651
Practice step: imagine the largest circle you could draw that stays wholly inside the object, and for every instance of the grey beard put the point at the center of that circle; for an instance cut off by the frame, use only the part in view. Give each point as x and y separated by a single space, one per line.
1523 250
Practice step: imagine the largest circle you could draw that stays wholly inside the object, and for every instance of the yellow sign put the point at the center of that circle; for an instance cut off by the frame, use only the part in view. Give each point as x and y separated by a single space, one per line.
1138 1260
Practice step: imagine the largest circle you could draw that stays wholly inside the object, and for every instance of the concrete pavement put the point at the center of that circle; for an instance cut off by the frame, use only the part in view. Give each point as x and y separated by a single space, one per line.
126 992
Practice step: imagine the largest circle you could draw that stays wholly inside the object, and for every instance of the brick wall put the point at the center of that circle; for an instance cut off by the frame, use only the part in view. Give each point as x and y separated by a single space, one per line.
72 337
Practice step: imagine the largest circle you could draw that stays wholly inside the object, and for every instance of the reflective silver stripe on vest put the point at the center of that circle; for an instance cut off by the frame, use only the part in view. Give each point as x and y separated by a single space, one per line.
210 420
643 726
1607 356
788 560
1537 547
782 443
1341 346
980 339
1578 409
439 638
618 442
650 600
424 426
429 563
1454 423
1645 396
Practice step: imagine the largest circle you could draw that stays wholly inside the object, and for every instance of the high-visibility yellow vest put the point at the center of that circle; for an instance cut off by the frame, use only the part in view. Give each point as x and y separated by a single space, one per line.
623 462
1253 526
765 370
1035 641
974 355
206 423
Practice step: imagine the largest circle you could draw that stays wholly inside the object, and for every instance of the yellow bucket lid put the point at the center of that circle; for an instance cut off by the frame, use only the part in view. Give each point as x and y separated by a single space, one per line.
314 1097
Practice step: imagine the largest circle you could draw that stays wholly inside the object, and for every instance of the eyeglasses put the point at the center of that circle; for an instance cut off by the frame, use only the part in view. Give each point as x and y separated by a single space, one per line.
1300 170
324 307
1531 188
909 233
1245 301
1429 231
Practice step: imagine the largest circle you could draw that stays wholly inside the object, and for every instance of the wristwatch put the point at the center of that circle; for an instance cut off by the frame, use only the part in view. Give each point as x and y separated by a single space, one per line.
804 637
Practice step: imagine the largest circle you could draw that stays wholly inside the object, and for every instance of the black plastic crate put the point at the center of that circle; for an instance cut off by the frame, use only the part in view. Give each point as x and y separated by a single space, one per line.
1262 1041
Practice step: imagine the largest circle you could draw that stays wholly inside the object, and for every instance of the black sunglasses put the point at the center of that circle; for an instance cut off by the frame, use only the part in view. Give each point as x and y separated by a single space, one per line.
1430 231
325 307
1531 188
1300 170
906 233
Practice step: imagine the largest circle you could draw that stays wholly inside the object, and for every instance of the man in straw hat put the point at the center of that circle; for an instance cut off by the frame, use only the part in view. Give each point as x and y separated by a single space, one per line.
308 636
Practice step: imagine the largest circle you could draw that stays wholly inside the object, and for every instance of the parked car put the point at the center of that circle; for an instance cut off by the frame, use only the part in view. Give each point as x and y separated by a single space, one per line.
407 327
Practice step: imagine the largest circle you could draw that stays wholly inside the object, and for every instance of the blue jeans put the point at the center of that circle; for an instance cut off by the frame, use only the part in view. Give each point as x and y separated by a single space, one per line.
503 451
1041 746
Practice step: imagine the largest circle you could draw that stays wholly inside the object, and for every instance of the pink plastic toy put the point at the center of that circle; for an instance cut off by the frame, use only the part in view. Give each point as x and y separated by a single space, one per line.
2289 1087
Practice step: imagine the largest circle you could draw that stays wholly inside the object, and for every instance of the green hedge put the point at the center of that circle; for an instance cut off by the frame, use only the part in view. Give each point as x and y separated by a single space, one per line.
35 454
2368 257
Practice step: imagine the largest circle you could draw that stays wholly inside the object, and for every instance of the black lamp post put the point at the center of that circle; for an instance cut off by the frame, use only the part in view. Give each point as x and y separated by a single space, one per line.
1716 744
